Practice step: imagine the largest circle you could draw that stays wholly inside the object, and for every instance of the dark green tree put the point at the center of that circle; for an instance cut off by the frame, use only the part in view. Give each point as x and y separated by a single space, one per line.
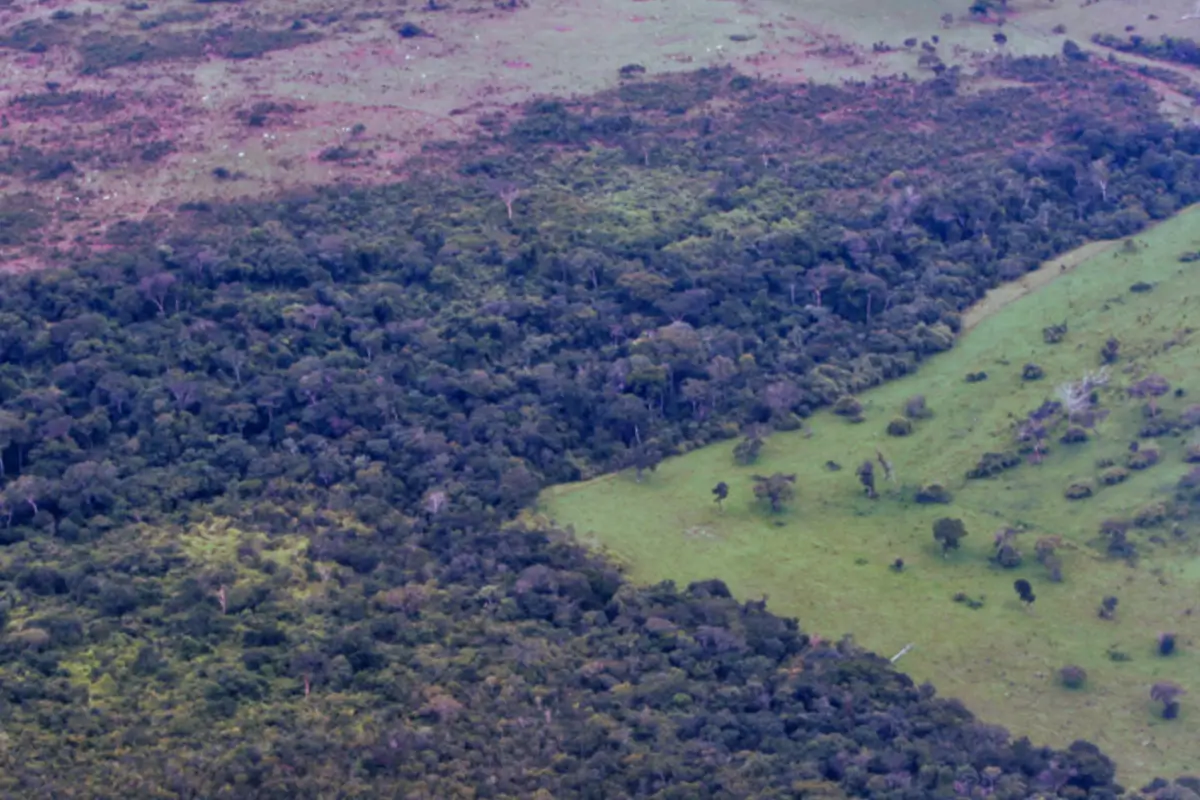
949 532
646 458
747 450
776 489
720 492
866 476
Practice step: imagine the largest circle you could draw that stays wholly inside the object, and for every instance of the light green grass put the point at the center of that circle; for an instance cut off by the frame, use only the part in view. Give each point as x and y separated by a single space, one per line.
826 559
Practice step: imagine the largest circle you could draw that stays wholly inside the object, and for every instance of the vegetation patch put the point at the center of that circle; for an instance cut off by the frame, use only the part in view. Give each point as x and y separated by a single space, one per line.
21 220
38 165
88 104
37 36
1178 49
174 16
102 51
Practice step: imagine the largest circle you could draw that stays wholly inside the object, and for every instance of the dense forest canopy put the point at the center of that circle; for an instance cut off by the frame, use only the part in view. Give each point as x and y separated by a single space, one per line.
258 464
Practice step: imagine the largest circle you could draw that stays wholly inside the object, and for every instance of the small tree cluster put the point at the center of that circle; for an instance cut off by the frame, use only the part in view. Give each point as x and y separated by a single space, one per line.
1167 693
948 533
746 451
776 489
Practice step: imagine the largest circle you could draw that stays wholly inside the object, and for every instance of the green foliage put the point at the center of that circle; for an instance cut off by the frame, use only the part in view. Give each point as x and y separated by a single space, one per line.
777 489
21 218
747 450
256 468
103 51
1178 49
828 560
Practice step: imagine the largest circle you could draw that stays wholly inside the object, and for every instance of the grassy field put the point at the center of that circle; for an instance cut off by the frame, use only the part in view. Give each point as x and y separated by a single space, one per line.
826 559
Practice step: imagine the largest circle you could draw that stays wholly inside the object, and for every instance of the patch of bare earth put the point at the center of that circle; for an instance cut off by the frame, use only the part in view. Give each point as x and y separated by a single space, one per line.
124 111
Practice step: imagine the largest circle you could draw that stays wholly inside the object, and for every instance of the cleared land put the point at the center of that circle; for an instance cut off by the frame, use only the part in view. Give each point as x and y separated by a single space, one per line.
826 559
123 111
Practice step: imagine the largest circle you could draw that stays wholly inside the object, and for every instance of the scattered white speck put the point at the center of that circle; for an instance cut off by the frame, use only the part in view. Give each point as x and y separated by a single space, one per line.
241 155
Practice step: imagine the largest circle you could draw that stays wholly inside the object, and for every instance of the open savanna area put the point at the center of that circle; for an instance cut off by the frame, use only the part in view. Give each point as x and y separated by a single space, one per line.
124 112
827 557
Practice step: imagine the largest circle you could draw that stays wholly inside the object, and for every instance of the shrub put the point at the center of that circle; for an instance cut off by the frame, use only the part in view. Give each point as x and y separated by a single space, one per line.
1073 677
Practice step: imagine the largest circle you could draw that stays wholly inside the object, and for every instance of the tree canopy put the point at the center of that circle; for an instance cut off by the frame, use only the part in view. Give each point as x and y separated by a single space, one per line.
259 466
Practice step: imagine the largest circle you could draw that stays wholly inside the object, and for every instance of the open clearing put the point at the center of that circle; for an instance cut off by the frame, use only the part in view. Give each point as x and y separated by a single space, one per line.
826 559
184 102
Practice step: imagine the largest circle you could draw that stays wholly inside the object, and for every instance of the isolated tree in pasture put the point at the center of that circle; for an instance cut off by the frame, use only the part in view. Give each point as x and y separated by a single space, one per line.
1167 693
776 489
720 492
747 450
948 533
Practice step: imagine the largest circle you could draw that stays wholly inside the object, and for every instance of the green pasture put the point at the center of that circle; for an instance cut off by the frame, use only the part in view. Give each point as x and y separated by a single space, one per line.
826 559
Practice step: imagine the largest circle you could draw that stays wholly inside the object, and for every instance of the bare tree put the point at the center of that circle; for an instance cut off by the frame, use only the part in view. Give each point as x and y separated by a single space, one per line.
234 359
781 397
156 287
508 192
721 369
28 489
902 204
767 143
435 501
1101 175
183 390
695 391
822 277
312 316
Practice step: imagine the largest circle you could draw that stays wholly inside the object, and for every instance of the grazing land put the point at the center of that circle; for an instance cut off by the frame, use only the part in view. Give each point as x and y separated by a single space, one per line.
126 111
826 558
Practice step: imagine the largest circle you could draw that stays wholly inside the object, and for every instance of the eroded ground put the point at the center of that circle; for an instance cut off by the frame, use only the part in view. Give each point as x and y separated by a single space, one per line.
124 111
